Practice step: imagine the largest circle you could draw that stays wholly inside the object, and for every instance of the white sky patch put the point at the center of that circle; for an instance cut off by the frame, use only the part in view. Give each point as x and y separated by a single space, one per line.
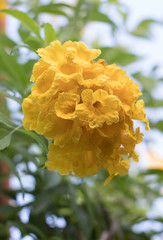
15 233
22 200
148 226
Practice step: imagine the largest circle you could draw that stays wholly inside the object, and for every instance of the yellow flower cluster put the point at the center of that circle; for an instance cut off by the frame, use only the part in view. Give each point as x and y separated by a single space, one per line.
86 107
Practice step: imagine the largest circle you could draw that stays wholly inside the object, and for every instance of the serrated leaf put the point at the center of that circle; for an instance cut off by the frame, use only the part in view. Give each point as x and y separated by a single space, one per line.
49 33
27 21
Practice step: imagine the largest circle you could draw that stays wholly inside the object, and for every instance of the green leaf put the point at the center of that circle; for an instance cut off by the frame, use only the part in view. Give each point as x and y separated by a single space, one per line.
97 16
152 102
6 42
54 8
33 42
6 209
82 217
53 179
6 137
49 33
9 65
11 164
44 199
6 121
4 93
143 29
89 206
28 67
35 137
33 228
27 21
55 238
158 125
118 55
148 82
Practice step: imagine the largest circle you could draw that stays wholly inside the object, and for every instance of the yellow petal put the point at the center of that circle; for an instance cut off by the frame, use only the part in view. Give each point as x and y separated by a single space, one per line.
123 167
38 69
98 107
58 160
66 104
138 113
52 54
63 131
44 88
31 113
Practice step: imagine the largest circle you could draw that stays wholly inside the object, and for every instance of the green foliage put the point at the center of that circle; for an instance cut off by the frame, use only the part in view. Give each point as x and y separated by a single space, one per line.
158 125
54 8
118 55
143 29
25 20
49 33
85 208
96 15
16 76
6 42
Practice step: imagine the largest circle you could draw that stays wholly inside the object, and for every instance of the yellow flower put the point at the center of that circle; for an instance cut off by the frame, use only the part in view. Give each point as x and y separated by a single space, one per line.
31 112
138 112
69 57
127 91
67 159
87 109
62 131
66 104
45 87
98 107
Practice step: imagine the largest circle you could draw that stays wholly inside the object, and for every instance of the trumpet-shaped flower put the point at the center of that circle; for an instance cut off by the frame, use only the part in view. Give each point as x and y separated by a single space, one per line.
98 107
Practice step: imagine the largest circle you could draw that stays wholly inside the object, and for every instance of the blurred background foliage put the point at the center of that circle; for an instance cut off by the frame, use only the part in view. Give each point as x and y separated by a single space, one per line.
40 204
